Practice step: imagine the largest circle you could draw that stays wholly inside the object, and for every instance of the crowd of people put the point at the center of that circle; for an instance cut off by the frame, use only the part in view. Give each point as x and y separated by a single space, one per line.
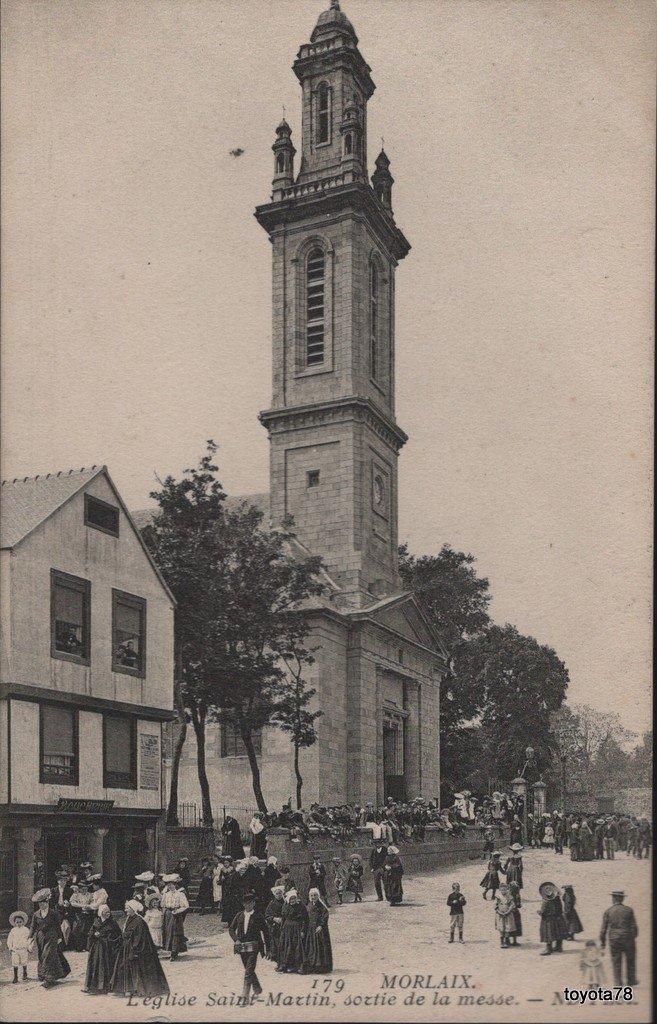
268 914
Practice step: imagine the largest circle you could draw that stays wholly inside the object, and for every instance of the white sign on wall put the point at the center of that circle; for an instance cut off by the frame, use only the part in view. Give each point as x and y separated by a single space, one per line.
149 761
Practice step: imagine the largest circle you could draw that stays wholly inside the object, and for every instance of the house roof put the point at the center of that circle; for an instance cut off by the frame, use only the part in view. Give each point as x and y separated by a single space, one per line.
26 502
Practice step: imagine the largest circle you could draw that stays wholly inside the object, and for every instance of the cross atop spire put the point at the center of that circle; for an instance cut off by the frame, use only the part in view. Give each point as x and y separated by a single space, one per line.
335 5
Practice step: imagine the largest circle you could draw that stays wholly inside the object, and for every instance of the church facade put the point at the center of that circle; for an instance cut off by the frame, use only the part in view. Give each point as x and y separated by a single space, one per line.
334 446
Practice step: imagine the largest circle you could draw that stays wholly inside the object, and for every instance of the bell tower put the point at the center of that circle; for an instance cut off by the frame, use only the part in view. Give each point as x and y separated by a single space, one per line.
335 247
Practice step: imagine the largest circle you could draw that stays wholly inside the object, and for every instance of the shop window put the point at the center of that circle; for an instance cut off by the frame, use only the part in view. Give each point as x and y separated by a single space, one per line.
232 744
119 752
128 634
101 516
58 744
70 602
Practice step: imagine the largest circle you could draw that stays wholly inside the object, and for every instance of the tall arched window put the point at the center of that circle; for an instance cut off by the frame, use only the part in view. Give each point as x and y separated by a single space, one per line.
323 113
315 308
374 320
348 145
280 163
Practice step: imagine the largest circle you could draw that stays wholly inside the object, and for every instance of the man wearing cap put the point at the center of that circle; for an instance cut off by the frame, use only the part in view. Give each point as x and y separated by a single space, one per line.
620 927
248 931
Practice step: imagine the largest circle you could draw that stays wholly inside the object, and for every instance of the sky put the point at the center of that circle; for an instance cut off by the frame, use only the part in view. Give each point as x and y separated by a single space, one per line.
136 284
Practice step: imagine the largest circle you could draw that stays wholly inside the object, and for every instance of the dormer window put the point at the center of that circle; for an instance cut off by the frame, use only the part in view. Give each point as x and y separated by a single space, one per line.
323 134
101 515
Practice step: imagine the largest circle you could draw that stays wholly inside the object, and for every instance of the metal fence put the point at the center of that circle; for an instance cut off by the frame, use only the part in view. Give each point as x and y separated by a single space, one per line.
190 815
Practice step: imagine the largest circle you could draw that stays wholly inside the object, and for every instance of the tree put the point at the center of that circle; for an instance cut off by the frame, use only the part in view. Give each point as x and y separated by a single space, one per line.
293 712
588 744
642 761
520 683
456 601
240 594
597 729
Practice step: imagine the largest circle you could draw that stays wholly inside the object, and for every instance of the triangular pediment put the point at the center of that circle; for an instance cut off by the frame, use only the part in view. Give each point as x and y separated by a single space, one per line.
405 617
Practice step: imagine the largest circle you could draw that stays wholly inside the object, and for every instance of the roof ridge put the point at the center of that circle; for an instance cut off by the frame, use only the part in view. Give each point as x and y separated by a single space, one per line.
47 476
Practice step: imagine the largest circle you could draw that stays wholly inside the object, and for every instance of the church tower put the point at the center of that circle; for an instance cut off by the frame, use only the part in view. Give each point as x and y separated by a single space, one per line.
335 247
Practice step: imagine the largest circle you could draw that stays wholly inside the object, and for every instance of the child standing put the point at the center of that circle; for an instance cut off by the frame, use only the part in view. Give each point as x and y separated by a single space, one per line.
154 918
338 877
491 879
591 965
18 942
514 889
355 880
456 902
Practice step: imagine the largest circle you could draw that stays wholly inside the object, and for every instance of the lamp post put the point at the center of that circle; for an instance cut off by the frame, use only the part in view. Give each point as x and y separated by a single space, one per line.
520 786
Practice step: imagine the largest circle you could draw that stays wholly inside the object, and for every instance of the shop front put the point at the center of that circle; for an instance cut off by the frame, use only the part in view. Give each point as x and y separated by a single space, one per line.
37 841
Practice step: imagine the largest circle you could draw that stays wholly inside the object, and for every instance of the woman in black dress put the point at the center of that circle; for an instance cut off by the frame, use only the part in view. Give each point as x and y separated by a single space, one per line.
137 970
205 889
103 943
293 933
232 838
231 894
393 872
274 920
571 917
318 955
46 931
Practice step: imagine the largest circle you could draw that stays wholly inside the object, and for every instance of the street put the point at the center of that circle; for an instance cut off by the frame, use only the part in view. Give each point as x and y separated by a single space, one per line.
390 963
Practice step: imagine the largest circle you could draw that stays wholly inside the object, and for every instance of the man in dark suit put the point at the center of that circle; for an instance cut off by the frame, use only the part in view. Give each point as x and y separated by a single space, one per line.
378 856
619 925
248 932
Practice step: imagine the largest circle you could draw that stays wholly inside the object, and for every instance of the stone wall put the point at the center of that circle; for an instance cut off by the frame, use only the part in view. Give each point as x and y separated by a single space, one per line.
194 843
436 852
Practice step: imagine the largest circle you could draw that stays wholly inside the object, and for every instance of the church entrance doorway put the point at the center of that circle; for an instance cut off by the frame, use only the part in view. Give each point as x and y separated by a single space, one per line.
394 785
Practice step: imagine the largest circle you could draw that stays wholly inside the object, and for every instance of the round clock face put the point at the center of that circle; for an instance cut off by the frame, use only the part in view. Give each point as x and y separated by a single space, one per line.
378 490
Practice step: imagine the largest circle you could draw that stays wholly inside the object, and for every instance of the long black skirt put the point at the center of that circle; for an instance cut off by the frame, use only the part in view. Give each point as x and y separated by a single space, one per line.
290 946
318 955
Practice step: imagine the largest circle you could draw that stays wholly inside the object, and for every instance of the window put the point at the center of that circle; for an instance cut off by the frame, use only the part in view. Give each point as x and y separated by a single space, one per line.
280 163
119 752
374 320
323 114
313 478
101 515
70 600
232 744
348 144
58 742
128 634
315 308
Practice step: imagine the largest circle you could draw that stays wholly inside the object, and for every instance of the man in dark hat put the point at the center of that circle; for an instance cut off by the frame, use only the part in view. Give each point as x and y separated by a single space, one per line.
377 863
248 931
609 838
620 927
